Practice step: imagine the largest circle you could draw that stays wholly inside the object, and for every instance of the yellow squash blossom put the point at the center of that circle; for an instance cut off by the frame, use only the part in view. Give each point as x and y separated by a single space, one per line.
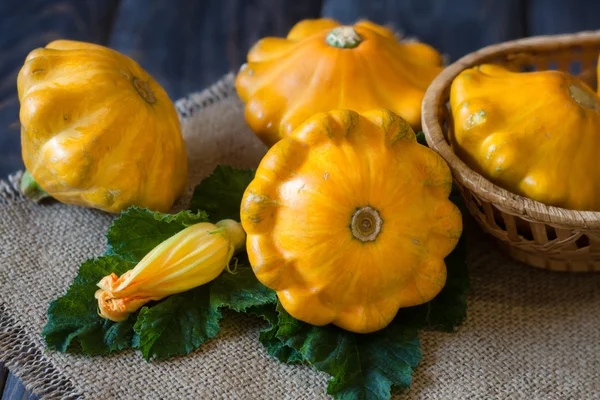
191 258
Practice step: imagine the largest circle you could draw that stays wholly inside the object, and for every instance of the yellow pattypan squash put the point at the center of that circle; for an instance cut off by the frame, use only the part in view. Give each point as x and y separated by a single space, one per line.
536 134
348 219
97 130
322 66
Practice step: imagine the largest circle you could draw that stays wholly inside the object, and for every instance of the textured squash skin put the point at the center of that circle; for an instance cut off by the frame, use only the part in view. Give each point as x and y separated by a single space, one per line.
288 80
298 214
88 135
536 134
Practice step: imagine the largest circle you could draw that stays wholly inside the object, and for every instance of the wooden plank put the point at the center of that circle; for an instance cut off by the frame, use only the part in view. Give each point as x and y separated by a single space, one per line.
14 390
26 25
453 27
545 17
3 377
188 44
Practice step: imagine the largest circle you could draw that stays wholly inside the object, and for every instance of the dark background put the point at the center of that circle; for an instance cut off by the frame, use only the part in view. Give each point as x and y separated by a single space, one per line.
188 44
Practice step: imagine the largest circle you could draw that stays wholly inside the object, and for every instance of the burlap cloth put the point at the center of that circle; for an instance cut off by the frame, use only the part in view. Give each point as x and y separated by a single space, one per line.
530 334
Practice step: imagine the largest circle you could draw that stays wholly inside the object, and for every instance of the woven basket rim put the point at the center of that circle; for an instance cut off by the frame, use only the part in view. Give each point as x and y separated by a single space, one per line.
511 203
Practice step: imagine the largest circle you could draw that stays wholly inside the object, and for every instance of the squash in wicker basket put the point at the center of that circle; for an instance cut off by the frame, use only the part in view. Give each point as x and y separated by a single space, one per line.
536 134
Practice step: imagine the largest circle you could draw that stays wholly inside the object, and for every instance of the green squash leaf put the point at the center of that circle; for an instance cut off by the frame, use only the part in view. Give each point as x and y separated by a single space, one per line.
220 194
73 320
268 337
178 325
181 323
139 230
361 366
240 291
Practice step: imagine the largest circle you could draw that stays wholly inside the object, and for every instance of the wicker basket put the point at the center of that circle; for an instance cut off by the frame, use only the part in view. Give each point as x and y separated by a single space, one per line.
533 233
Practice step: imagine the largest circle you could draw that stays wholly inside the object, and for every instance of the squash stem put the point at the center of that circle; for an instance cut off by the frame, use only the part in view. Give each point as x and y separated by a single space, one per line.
234 232
343 37
366 224
31 189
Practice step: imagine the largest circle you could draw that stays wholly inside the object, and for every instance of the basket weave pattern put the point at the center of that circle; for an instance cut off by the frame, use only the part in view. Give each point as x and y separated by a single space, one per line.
531 232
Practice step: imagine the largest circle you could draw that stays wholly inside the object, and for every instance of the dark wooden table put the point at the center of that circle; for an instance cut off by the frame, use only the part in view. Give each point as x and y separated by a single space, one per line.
187 44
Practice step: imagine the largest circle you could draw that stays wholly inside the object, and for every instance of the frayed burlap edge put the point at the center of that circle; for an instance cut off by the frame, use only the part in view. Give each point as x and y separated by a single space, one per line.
24 359
17 351
9 189
194 102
